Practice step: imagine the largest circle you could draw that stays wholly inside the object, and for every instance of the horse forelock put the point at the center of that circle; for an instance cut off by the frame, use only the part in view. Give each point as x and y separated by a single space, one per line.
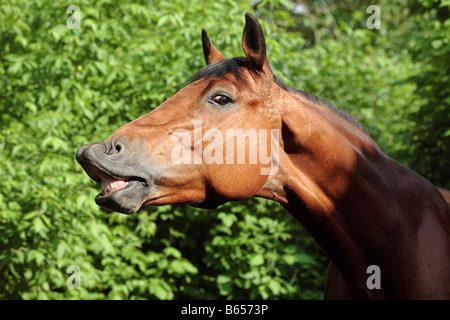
221 69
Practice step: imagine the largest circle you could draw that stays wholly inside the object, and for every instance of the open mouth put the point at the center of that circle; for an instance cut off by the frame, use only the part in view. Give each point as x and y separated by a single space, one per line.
119 192
111 185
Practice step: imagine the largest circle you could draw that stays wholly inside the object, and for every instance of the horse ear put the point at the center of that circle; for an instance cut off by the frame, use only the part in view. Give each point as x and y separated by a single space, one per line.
209 51
254 45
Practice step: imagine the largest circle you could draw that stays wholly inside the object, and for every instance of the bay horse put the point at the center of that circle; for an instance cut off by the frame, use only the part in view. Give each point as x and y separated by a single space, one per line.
363 208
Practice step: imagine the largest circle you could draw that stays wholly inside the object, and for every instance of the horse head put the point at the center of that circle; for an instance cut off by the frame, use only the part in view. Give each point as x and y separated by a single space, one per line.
204 145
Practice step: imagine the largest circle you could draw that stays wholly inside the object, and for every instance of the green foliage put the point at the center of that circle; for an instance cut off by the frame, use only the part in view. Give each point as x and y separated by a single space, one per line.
262 257
61 88
431 135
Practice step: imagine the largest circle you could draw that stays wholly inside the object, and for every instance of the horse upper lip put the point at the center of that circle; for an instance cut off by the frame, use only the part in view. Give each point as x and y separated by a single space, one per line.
99 167
98 174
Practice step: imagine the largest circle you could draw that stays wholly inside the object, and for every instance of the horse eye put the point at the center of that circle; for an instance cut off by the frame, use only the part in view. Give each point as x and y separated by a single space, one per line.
221 100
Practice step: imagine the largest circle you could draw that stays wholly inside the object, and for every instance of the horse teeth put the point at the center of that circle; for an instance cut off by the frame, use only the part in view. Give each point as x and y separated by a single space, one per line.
109 186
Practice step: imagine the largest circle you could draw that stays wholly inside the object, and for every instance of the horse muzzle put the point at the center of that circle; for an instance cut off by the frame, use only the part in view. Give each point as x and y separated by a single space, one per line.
125 184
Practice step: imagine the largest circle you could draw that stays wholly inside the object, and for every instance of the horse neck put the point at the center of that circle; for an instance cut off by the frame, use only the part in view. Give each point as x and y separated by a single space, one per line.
338 183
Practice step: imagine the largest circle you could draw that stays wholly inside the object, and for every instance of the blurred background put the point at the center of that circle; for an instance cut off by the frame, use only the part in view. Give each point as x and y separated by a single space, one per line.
61 88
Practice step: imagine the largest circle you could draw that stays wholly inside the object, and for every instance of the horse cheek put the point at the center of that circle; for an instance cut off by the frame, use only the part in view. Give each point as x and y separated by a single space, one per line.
234 182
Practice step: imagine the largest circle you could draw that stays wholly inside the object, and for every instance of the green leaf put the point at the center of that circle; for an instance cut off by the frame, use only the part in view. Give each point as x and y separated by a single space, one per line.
256 260
172 252
160 289
304 258
447 133
224 284
274 286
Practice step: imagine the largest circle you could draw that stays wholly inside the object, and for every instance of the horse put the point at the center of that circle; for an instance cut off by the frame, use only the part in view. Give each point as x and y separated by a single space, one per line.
362 207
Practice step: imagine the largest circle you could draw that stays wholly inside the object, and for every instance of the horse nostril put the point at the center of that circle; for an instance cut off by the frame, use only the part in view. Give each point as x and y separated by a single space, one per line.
118 147
113 148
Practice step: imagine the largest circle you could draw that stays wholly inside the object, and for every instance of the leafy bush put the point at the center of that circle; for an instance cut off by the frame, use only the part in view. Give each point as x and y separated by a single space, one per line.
430 137
61 88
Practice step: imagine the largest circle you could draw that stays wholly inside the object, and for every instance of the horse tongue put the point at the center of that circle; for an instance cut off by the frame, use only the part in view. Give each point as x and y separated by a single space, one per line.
110 185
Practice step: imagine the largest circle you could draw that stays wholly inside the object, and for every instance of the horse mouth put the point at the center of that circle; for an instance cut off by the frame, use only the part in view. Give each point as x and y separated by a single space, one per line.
111 185
119 191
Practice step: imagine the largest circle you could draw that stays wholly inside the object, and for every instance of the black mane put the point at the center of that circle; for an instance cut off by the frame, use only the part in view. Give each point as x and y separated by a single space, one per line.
221 68
235 66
